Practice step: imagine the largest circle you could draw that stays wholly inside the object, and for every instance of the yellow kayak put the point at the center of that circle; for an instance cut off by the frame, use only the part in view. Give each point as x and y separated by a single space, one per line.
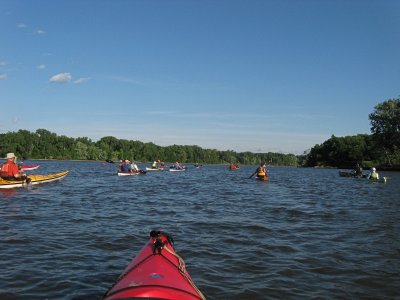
35 179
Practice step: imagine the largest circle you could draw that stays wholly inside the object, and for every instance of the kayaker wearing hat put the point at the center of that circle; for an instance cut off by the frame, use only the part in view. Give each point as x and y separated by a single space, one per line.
9 169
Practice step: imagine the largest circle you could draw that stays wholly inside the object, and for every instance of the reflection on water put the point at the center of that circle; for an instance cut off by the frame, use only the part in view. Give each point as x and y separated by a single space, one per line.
307 233
8 193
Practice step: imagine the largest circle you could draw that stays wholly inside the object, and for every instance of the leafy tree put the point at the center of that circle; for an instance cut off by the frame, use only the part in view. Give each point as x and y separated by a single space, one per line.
385 127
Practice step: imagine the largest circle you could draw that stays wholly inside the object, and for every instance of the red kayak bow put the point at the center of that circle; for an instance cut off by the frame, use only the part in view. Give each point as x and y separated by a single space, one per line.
157 272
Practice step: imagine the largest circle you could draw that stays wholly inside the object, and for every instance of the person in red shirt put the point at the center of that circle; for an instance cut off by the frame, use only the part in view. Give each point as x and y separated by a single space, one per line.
10 171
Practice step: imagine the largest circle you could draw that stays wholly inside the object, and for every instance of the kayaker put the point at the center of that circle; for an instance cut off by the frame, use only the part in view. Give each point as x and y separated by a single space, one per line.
234 167
178 166
125 166
134 167
262 170
373 175
358 170
154 165
10 170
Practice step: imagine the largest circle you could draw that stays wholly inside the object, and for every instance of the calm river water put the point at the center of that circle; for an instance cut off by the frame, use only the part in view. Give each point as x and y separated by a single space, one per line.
306 234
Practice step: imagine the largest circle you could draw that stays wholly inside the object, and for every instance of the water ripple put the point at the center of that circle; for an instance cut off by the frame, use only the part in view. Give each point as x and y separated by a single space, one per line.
306 234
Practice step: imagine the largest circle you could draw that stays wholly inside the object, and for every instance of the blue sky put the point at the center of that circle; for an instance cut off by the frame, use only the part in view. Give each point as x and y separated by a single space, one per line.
243 75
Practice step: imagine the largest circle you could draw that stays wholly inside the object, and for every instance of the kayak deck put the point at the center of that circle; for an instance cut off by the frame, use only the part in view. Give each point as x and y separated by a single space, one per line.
119 173
265 178
157 272
154 169
35 179
127 173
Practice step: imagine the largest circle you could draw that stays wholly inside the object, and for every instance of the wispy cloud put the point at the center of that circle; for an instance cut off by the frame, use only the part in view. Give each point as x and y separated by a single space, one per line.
66 78
3 63
40 32
81 80
21 25
127 80
3 76
41 67
61 78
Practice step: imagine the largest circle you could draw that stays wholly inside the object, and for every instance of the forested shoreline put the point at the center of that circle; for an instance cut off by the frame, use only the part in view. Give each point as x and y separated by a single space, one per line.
380 148
43 144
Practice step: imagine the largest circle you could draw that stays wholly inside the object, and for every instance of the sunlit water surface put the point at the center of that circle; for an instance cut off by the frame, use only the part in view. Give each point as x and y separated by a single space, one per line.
307 233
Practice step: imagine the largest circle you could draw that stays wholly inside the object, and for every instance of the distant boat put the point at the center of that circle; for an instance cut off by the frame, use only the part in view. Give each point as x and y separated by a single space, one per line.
351 174
29 167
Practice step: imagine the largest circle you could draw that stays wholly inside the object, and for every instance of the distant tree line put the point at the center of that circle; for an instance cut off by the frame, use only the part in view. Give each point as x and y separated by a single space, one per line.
44 144
380 148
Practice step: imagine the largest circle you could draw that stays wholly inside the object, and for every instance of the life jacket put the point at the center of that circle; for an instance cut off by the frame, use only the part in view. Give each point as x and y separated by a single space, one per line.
8 169
261 171
125 168
373 176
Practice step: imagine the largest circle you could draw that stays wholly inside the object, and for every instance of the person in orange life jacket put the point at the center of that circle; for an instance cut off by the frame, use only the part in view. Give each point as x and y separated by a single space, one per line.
10 170
262 170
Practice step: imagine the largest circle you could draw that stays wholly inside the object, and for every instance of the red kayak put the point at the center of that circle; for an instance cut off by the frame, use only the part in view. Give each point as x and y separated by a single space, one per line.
233 167
29 167
157 272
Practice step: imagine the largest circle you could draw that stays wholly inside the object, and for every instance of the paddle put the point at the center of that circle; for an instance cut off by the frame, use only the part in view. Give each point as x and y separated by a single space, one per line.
253 174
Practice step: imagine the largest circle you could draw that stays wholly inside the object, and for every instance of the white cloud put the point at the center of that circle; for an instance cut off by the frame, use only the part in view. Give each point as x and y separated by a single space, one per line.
3 76
41 67
40 31
61 78
3 63
81 80
21 25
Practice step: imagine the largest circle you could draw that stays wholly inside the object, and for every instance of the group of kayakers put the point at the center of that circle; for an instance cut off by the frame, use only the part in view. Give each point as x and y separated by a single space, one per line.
127 166
157 164
10 169
372 175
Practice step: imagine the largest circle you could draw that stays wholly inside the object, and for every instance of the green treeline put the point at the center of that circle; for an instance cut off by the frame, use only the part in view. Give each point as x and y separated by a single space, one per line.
44 144
381 148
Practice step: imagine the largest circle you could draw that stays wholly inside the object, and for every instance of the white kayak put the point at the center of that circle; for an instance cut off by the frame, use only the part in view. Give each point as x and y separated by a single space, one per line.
127 173
177 170
154 169
119 173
